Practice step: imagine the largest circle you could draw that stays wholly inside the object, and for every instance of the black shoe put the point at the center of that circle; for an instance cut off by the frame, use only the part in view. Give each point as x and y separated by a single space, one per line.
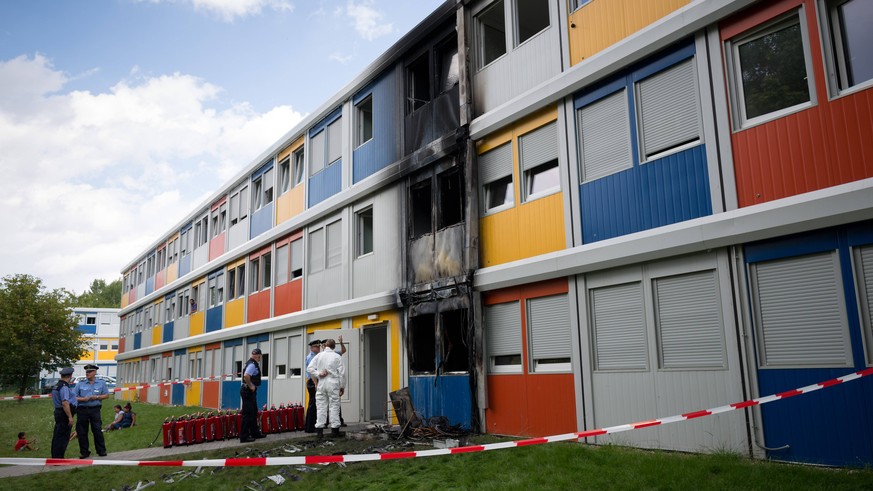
319 433
101 454
336 433
259 435
246 440
84 456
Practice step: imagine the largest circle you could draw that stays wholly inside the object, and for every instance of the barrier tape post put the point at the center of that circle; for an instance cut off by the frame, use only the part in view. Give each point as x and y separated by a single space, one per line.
322 459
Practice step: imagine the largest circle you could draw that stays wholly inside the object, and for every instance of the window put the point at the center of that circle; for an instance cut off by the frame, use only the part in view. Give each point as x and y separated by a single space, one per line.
231 284
267 273
296 259
364 231
334 244
848 40
863 262
316 250
577 4
422 354
239 205
282 260
257 195
548 320
669 116
299 165
605 141
334 141
255 284
491 34
364 121
241 280
113 346
503 336
451 197
316 153
618 328
91 320
222 217
495 173
215 230
539 161
454 328
448 73
532 17
417 84
422 209
284 175
769 72
201 232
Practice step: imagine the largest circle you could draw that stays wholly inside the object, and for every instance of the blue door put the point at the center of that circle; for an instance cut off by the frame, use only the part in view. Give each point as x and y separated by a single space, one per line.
805 311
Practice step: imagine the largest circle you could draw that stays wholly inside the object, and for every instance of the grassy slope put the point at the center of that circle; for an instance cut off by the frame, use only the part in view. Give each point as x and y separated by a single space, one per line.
553 466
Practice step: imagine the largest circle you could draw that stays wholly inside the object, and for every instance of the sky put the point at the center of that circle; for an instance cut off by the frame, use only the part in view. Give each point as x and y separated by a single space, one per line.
119 117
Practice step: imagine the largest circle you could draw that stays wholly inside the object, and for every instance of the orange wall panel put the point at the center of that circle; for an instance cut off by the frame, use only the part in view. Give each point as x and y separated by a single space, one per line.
211 392
289 298
531 405
259 306
601 23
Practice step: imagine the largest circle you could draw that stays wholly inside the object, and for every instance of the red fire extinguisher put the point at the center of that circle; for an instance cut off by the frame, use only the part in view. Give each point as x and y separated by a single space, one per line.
179 432
238 423
288 418
199 428
275 421
167 431
300 417
264 418
189 430
219 426
209 432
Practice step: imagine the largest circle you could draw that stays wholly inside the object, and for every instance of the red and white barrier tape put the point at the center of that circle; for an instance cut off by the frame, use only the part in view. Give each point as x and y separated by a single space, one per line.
326 459
122 389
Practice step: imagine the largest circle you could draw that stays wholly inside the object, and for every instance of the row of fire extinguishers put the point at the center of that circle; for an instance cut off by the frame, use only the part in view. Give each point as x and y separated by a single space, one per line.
196 428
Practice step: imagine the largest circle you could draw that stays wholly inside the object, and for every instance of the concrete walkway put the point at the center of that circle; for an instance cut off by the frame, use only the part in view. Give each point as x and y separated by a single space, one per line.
159 453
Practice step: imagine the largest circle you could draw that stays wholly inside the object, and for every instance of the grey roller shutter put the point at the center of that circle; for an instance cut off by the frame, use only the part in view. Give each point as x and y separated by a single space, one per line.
865 289
668 108
619 328
549 327
606 143
334 141
689 322
316 153
495 164
282 261
503 329
316 250
800 314
539 146
334 244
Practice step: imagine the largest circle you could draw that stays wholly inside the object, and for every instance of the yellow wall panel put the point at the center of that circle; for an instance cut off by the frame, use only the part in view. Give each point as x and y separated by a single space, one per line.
602 23
541 226
157 335
124 300
192 394
108 355
234 313
195 349
196 323
172 273
290 204
324 326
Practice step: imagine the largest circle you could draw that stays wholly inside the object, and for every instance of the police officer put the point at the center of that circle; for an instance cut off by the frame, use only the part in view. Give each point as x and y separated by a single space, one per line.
90 392
64 402
249 393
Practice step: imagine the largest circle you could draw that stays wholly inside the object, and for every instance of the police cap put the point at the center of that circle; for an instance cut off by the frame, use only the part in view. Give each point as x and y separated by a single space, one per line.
91 367
256 351
315 342
66 372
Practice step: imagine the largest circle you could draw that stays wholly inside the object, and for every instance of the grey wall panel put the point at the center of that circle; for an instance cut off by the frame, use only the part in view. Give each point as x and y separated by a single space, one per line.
380 270
200 256
324 287
180 328
238 234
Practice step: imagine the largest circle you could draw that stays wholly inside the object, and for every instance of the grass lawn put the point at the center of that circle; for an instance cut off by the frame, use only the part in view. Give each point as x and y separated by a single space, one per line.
551 466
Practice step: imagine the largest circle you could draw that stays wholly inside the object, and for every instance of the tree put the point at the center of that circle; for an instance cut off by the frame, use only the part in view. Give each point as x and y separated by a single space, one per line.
38 331
101 295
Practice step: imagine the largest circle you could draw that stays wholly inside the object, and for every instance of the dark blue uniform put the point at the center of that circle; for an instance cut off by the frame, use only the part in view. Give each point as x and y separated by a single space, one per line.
61 436
88 414
249 427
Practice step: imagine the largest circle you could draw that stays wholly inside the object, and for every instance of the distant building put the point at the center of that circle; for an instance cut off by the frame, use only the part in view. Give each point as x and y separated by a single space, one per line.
101 327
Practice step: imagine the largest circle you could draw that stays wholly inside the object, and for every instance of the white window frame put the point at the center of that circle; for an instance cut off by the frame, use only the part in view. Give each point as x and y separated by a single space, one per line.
479 34
361 118
833 50
732 46
359 232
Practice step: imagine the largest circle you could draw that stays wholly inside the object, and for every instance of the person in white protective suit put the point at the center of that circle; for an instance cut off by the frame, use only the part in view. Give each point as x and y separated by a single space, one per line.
328 367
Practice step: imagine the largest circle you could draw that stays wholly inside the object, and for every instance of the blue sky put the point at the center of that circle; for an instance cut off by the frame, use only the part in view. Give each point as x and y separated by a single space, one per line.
118 117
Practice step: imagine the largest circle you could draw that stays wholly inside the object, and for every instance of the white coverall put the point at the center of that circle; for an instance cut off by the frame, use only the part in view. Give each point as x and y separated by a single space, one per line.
327 397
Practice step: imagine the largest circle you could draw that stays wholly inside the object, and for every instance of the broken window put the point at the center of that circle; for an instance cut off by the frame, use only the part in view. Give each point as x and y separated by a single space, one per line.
422 352
453 341
418 84
447 59
451 195
421 209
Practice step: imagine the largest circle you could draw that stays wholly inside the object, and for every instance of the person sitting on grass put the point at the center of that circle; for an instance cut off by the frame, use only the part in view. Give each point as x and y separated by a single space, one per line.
129 418
22 444
116 423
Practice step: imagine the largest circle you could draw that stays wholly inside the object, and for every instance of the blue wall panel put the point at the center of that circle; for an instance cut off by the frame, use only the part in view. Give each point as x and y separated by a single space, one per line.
262 220
832 426
167 335
230 394
184 265
326 183
177 398
213 318
664 191
446 395
382 149
87 329
150 285
137 340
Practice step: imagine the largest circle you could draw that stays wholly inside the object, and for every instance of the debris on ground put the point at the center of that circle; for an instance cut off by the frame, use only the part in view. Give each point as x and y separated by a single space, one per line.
139 486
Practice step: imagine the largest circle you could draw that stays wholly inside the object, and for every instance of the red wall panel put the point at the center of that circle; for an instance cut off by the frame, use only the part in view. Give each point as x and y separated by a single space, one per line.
289 297
258 306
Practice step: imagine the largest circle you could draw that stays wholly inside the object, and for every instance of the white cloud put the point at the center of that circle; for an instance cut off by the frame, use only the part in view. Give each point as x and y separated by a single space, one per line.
340 58
367 20
92 179
230 10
